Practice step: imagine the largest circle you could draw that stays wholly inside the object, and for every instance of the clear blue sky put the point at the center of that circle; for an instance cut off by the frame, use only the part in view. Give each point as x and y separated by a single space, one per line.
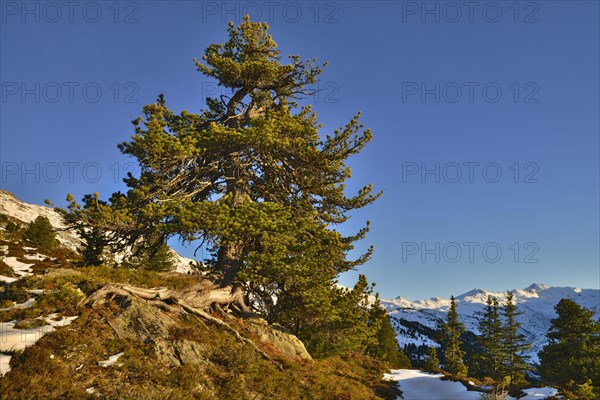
448 88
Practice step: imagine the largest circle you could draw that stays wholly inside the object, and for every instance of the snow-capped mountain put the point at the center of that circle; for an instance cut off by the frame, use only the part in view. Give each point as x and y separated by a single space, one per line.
26 213
415 321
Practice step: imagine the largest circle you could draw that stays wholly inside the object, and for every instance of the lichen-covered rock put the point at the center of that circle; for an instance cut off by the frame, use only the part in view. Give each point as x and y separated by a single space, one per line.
180 352
286 343
146 323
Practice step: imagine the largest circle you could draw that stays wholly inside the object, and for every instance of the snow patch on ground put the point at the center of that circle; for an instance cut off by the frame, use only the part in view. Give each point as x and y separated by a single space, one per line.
419 385
63 321
7 279
111 360
4 363
27 303
12 339
35 257
20 268
539 393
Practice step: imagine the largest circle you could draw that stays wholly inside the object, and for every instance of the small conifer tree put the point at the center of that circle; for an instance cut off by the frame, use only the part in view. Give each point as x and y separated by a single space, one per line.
490 326
432 363
40 234
514 342
453 353
572 355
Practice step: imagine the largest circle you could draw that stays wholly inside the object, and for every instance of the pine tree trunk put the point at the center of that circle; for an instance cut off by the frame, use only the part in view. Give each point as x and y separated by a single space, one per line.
228 262
229 255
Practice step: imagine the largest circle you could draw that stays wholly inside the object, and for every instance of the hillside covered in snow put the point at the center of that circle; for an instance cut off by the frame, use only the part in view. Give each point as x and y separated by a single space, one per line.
25 213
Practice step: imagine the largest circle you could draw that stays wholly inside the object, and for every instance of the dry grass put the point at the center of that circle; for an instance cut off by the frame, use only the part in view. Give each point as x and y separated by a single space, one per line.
64 363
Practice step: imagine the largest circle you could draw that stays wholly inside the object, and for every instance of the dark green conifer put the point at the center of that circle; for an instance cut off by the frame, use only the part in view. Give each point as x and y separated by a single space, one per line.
572 356
490 340
514 342
432 362
385 344
452 343
40 234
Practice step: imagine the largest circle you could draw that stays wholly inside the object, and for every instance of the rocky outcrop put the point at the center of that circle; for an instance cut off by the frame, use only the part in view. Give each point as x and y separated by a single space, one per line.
285 343
150 325
150 316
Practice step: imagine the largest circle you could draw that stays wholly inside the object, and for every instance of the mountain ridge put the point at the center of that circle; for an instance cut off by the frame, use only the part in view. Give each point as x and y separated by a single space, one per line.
415 321
11 206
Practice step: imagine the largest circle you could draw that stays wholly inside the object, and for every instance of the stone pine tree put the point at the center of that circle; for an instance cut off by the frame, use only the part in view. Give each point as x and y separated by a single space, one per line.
514 342
490 340
93 246
452 343
96 240
251 178
158 258
572 356
344 329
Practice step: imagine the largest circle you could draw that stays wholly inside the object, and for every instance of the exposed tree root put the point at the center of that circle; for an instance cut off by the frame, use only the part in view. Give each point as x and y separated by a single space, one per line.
195 300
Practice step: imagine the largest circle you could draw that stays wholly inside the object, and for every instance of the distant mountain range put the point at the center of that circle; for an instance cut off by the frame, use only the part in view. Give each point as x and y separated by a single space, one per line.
415 321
